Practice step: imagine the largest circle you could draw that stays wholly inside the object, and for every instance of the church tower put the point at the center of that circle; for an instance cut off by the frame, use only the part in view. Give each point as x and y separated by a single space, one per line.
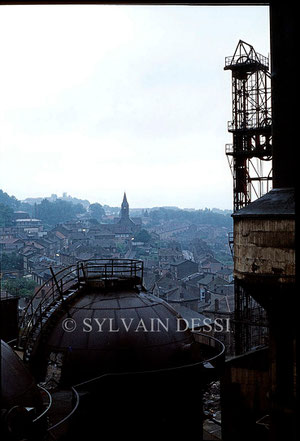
124 209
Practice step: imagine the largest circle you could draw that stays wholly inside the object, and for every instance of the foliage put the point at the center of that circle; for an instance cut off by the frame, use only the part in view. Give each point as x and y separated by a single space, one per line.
197 217
97 211
6 215
10 201
28 208
19 287
142 236
58 211
93 222
199 246
9 204
12 261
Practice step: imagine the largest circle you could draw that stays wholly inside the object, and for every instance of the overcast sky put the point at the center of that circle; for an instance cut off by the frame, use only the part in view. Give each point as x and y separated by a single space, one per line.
98 100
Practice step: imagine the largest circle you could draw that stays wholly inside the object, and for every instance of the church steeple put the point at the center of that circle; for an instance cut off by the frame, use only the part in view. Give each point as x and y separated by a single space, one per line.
124 208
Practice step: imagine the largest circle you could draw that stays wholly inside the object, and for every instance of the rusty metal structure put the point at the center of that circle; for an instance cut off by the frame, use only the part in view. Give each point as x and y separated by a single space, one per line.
265 271
128 359
250 126
249 158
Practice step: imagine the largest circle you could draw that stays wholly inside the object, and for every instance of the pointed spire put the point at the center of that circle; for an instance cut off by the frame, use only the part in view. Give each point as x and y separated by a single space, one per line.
125 208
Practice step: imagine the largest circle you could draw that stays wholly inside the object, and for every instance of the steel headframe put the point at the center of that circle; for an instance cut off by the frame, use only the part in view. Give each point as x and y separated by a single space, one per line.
250 126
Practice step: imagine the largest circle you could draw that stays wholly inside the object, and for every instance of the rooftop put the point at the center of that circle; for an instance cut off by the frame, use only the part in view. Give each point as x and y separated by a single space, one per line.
279 202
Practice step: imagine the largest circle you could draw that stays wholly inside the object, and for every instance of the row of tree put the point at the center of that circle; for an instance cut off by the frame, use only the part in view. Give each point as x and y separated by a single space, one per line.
11 261
53 213
10 201
50 213
19 287
6 215
196 217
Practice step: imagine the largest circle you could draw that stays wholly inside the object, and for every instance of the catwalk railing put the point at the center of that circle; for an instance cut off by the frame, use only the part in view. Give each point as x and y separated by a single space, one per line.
64 284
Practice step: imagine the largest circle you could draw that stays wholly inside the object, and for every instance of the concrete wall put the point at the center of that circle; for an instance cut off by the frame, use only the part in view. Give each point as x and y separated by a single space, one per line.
244 397
264 247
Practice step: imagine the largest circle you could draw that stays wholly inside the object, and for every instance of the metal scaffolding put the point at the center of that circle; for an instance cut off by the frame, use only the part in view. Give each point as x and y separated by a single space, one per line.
250 154
249 157
250 322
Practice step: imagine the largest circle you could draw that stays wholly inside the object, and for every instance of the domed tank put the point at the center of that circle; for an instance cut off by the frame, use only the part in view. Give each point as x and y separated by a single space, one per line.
107 323
21 400
117 330
126 353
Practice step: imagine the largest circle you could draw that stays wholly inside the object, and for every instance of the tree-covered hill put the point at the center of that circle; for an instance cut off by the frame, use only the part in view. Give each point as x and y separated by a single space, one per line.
196 217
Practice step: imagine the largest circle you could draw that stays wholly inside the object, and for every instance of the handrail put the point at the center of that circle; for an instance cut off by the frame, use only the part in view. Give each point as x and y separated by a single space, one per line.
70 414
72 277
250 123
254 57
215 341
47 408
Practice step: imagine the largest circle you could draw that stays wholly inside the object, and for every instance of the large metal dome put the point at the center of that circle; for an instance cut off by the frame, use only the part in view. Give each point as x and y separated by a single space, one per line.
97 332
97 319
18 386
21 399
114 331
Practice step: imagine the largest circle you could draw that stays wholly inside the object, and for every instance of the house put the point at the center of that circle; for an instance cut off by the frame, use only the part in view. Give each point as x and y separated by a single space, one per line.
39 244
149 279
226 273
11 245
166 256
164 285
203 282
193 279
33 227
21 215
218 285
211 265
41 276
66 259
183 268
8 232
175 291
77 237
194 320
59 235
220 309
28 253
183 295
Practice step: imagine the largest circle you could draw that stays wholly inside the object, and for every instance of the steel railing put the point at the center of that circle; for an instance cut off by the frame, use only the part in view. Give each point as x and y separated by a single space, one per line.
247 59
71 279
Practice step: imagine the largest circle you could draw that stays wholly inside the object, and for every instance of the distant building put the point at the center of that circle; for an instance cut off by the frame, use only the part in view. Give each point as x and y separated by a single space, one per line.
183 268
11 245
125 228
30 226
21 215
211 265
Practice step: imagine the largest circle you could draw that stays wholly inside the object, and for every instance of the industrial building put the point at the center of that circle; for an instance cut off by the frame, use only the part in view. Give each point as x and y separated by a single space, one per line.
100 344
89 363
258 390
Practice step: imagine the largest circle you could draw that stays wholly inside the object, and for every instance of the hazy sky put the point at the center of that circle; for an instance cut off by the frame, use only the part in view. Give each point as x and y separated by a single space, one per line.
98 100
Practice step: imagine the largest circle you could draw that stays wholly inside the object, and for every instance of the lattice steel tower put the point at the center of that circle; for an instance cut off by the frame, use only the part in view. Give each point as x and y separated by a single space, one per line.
250 154
250 162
